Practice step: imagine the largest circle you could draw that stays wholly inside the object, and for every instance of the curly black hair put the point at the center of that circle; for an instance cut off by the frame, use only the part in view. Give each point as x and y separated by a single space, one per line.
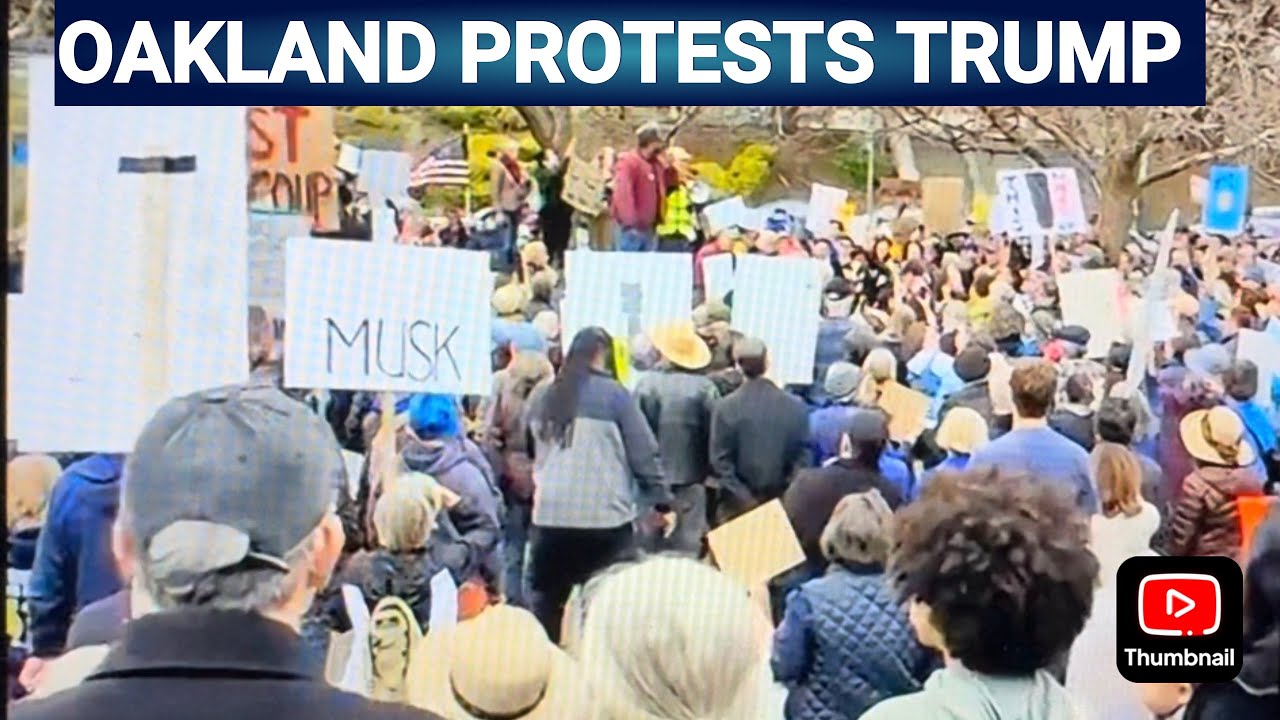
1004 565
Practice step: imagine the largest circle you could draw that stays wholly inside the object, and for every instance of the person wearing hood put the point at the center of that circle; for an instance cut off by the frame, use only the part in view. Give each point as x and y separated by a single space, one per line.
73 563
1123 529
676 400
1206 516
837 305
506 443
434 445
1000 605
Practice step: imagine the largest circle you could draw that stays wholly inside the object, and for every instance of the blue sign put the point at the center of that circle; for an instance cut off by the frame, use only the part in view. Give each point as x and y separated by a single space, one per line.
1227 200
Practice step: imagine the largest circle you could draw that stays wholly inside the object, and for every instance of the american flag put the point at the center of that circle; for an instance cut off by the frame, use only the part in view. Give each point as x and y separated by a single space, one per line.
444 164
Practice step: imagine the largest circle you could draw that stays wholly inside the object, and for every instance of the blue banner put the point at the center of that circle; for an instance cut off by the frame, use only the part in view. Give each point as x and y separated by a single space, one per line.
323 52
1227 199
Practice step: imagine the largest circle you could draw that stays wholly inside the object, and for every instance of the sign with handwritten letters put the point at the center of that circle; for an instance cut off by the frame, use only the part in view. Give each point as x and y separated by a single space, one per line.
291 162
1090 299
140 293
1226 200
584 187
779 300
624 292
1041 201
390 318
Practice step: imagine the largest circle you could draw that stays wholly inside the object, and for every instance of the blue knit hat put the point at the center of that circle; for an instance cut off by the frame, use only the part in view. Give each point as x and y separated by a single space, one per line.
434 416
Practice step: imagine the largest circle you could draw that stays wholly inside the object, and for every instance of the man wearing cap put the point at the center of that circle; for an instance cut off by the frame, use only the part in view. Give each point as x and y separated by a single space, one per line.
639 191
677 401
759 436
228 517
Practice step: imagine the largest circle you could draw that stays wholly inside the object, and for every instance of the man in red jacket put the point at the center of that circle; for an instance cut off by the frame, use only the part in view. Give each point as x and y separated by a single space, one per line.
639 189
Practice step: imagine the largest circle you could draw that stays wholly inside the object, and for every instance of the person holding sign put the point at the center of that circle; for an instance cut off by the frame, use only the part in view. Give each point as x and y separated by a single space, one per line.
593 456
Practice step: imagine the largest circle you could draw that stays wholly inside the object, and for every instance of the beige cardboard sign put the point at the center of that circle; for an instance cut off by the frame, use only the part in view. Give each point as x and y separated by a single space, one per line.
943 199
584 187
291 163
907 410
758 546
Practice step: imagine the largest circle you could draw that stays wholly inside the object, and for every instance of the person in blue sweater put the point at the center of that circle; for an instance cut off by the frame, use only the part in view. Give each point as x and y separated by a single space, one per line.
74 565
1033 449
845 642
1241 384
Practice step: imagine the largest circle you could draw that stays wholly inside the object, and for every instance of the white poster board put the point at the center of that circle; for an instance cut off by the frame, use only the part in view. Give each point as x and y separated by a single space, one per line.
732 212
625 292
779 300
1264 350
1092 299
825 205
717 275
1039 201
384 174
393 318
78 376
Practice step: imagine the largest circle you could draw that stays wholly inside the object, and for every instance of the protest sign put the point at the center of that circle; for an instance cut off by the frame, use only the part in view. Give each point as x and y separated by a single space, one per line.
717 275
147 276
383 174
1264 350
384 227
1155 323
907 409
943 199
291 163
584 187
625 293
768 289
825 204
1090 299
408 319
756 547
1041 201
1227 200
732 212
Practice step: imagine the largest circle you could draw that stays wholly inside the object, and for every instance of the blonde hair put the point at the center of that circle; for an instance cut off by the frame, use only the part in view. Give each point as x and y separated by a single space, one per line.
27 482
859 530
405 514
673 639
880 366
1119 476
962 431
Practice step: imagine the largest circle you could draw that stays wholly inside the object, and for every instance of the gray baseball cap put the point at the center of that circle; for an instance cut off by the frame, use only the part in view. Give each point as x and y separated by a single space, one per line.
231 476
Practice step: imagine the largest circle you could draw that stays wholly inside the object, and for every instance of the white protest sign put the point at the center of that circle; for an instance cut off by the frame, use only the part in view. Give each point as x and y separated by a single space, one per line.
825 204
1041 201
732 212
384 228
1264 350
779 300
139 293
384 173
1091 299
1156 322
402 318
717 275
625 292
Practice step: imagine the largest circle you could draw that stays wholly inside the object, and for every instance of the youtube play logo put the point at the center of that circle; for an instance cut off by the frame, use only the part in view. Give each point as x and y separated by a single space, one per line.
1179 619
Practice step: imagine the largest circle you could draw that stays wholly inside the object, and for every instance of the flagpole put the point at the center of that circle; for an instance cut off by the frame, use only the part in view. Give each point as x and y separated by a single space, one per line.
466 153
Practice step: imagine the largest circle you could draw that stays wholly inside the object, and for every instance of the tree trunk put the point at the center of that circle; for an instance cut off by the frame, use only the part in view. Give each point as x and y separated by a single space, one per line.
550 125
1117 191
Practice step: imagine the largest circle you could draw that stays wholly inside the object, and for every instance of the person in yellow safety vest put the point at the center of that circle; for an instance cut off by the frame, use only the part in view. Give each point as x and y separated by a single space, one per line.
677 231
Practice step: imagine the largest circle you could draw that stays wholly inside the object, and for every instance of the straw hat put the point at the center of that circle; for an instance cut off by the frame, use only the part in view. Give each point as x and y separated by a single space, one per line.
499 664
680 344
1217 436
509 300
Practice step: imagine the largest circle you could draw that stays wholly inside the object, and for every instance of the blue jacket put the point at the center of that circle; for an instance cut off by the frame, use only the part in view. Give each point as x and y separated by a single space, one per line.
829 349
845 644
74 565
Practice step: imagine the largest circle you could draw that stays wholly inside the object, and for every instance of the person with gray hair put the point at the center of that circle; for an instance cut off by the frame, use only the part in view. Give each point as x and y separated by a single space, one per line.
845 642
228 516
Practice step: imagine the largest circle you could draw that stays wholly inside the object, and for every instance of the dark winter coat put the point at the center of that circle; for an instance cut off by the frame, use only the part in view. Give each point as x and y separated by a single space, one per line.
678 406
759 439
1206 518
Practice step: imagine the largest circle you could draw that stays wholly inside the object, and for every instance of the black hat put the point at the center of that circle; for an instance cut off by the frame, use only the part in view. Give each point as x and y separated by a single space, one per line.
972 364
1072 334
838 289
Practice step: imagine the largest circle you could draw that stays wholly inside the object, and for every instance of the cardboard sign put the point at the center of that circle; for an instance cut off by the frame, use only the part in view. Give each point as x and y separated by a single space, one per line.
1042 201
1090 299
1227 200
138 295
406 319
625 293
291 163
584 187
779 300
756 547
825 205
1264 350
943 203
907 409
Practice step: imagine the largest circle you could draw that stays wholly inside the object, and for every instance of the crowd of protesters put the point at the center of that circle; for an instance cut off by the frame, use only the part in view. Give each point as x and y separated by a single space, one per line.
965 572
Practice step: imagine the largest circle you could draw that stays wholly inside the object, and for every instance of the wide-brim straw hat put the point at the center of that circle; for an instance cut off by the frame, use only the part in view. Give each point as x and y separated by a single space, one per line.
1217 436
498 664
681 345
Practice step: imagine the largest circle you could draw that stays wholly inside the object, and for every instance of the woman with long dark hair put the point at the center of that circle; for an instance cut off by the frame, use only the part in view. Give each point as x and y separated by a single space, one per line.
595 463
